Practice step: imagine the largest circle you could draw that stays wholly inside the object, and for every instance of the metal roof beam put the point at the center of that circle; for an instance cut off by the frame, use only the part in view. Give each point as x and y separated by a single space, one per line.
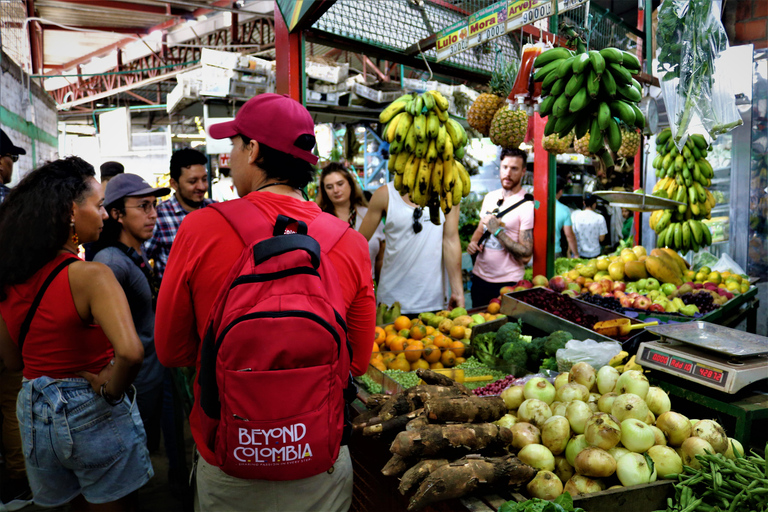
123 5
117 30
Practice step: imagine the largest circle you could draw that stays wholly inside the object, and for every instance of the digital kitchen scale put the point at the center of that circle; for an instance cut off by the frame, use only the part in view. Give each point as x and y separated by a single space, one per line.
717 357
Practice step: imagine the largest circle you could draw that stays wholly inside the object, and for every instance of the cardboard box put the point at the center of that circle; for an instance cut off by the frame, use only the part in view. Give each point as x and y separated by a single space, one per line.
418 85
377 96
321 98
326 72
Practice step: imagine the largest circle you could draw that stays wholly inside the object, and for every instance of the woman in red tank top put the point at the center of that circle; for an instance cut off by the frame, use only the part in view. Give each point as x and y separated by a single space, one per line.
80 350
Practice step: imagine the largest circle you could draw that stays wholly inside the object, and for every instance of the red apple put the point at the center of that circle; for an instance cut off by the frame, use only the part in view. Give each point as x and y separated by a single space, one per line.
619 285
607 294
618 294
581 280
595 288
634 295
607 285
641 302
697 286
520 289
505 290
626 301
656 307
496 300
525 283
557 284
576 287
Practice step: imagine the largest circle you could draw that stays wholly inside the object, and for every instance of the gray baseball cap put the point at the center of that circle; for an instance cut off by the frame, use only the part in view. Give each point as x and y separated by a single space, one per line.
125 185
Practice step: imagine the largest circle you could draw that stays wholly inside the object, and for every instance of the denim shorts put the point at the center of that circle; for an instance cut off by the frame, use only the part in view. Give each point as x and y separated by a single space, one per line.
74 442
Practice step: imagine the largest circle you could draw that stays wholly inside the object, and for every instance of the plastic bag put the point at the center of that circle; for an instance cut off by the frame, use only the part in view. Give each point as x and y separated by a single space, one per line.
726 263
695 81
597 354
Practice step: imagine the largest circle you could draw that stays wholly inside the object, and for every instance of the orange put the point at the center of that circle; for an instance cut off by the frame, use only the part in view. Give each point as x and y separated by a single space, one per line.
494 308
418 332
400 363
405 333
442 341
378 365
457 332
457 348
420 363
381 335
402 322
389 338
430 330
375 349
448 359
389 329
416 321
398 344
431 354
413 350
436 366
460 360
386 357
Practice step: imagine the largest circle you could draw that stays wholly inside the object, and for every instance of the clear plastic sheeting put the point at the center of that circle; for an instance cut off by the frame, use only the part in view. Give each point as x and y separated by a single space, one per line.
695 78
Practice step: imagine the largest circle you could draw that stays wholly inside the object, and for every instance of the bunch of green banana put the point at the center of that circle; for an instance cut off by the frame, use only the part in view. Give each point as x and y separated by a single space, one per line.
684 177
387 314
590 92
425 149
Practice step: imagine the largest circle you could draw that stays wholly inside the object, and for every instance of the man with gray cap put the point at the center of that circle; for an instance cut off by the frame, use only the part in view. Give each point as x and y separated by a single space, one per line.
9 154
131 204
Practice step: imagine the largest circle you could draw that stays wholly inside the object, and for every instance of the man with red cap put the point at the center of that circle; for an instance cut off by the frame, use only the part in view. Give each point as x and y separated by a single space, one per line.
271 162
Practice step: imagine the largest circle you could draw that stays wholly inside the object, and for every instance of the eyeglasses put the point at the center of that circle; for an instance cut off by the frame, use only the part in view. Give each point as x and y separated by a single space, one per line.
147 206
498 205
14 158
417 213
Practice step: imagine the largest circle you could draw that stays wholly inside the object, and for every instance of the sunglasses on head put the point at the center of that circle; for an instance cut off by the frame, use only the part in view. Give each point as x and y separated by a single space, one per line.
417 213
14 158
498 205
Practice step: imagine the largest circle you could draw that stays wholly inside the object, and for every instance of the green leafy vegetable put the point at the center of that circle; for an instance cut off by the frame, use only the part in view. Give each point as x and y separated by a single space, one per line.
563 503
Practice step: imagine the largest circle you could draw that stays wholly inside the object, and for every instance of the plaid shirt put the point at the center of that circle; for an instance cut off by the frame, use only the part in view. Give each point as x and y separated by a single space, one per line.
4 191
170 213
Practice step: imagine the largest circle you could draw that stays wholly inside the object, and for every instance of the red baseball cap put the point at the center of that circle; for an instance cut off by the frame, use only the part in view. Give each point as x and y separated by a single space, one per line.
275 120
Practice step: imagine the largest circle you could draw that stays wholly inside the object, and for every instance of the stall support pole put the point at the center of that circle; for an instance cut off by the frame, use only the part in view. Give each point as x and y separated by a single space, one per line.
289 55
544 174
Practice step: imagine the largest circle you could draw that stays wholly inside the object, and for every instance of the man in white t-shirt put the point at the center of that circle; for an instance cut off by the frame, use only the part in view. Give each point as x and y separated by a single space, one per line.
590 228
501 261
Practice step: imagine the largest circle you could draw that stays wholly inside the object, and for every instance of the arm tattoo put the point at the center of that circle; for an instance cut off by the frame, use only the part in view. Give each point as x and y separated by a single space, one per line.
521 249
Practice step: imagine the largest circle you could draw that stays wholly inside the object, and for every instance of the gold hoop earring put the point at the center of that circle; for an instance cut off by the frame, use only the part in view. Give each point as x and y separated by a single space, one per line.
75 238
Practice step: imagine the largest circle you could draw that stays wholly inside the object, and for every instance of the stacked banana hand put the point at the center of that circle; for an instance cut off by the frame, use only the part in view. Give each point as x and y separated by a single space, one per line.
425 149
684 177
591 92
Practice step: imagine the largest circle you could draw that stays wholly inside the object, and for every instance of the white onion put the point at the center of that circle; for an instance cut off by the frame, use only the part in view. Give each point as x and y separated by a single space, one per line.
668 462
695 446
602 430
537 456
534 411
524 434
661 440
508 420
540 389
563 470
558 408
675 426
629 405
546 485
578 413
729 453
595 462
575 445
657 400
605 402
650 419
632 381
580 484
713 433
606 379
513 397
592 402
555 434
636 436
584 374
618 452
633 469
572 391
562 378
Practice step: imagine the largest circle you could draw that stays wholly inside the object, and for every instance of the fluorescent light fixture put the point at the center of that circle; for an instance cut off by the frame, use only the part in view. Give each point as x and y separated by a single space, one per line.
188 136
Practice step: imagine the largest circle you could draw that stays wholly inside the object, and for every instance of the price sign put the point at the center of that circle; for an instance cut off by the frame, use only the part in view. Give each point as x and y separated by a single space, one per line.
525 12
487 24
452 40
567 5
710 374
681 365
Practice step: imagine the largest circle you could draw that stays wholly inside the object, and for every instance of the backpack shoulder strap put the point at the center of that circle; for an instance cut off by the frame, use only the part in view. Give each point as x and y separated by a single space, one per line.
327 230
38 298
240 213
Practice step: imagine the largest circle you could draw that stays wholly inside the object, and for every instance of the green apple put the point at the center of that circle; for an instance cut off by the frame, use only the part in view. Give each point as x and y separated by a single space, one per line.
631 287
478 319
653 294
668 289
642 284
652 283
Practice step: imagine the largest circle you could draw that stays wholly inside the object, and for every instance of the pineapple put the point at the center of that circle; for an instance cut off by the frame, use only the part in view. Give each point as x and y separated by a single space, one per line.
485 106
555 145
581 145
630 143
508 127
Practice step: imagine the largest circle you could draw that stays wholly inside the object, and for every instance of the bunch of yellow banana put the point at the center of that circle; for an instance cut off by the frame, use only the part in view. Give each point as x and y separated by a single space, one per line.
425 149
684 177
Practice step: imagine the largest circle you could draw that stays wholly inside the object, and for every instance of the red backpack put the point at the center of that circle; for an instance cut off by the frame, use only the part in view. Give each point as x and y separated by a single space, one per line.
275 361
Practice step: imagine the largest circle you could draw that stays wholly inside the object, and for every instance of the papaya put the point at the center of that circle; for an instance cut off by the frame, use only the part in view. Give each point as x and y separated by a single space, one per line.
635 270
666 271
670 261
679 259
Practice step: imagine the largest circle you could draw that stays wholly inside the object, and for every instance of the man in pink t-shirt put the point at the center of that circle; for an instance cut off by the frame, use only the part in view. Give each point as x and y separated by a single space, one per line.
501 260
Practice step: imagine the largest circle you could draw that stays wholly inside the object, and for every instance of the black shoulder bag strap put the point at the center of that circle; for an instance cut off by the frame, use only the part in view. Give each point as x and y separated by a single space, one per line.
484 237
138 260
38 298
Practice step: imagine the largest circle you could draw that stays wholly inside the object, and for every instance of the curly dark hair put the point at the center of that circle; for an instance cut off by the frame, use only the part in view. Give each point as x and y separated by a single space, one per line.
514 152
295 172
35 217
110 233
185 158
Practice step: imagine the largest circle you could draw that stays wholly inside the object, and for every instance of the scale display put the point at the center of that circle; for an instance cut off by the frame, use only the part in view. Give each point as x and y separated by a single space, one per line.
692 369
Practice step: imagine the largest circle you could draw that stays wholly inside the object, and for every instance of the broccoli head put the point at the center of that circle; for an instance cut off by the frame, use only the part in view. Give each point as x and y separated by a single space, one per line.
549 363
509 332
535 351
515 354
556 341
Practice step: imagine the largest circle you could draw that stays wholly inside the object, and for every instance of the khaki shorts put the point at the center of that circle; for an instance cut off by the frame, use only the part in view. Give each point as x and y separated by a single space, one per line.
329 491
